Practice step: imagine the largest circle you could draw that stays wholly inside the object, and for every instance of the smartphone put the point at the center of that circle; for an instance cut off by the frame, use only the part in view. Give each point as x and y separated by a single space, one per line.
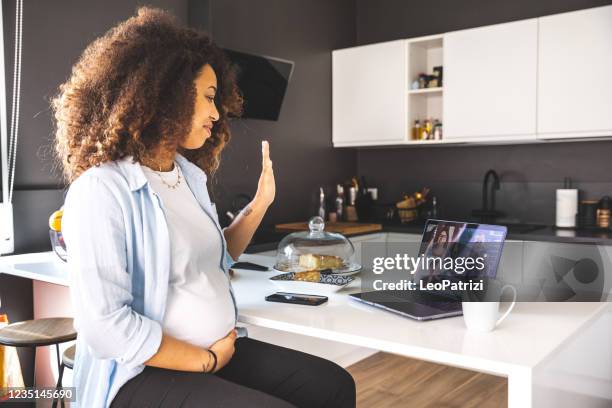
297 298
250 265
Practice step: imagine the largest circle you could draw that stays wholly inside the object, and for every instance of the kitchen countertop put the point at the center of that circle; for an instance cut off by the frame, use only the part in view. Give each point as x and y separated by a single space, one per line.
549 323
268 239
40 266
531 232
559 333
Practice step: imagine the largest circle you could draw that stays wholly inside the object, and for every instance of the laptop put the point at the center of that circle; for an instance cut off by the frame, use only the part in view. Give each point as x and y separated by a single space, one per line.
442 239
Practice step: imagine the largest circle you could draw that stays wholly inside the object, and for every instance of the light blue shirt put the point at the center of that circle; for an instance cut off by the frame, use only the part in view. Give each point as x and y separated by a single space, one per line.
119 261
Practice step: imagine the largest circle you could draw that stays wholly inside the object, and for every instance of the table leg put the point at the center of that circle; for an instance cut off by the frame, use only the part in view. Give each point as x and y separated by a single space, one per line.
520 389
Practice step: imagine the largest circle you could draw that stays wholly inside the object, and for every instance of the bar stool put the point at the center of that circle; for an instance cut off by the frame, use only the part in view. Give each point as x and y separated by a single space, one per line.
67 362
39 332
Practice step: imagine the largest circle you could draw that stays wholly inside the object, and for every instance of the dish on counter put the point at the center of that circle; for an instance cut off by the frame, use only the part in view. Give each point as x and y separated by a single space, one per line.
311 282
316 249
310 262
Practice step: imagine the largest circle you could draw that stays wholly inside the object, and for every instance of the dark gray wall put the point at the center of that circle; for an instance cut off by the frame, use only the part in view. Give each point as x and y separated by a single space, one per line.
530 173
304 32
54 35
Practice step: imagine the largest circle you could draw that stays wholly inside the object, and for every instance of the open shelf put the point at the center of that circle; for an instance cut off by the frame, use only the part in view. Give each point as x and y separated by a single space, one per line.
424 90
431 142
424 54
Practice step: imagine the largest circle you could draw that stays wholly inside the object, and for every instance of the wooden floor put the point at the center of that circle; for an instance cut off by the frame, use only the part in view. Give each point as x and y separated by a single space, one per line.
385 380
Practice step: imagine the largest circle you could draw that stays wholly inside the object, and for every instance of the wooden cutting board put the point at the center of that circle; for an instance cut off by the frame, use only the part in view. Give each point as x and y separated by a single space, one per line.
344 228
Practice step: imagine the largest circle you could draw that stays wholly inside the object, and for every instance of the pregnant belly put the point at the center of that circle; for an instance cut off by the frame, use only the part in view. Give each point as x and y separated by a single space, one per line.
199 317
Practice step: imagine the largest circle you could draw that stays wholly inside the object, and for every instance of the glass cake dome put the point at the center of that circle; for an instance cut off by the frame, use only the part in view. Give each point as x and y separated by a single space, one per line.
316 250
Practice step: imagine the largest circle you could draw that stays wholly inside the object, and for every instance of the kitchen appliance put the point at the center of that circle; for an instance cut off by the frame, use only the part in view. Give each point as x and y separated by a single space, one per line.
263 81
436 304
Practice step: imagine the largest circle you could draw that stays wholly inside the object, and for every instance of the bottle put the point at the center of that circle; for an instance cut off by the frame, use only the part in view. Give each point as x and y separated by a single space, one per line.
339 203
321 203
437 130
603 212
416 130
427 130
434 207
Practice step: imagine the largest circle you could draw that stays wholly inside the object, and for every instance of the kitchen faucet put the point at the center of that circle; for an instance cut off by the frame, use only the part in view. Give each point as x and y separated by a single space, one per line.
486 213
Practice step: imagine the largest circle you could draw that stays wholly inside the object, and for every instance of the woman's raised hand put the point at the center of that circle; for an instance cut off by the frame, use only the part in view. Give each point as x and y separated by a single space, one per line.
224 349
266 187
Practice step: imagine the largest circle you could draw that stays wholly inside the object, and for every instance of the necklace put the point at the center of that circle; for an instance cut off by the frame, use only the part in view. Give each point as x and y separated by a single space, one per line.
178 177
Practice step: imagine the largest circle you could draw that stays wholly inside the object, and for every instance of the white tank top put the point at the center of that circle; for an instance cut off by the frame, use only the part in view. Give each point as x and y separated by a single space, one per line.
199 307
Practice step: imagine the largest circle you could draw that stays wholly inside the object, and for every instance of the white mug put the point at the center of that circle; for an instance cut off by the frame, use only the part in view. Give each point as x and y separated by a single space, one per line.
482 316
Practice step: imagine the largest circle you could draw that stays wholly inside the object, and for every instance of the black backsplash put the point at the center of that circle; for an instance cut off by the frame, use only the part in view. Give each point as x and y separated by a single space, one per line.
529 174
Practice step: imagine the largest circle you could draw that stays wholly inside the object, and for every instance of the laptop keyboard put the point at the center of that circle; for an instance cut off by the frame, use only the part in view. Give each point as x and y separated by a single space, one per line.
445 306
434 301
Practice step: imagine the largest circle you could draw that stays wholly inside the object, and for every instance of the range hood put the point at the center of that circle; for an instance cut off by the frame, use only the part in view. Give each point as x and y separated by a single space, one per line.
263 82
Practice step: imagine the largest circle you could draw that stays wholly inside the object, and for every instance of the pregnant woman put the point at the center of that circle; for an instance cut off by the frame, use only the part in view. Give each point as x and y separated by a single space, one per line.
141 124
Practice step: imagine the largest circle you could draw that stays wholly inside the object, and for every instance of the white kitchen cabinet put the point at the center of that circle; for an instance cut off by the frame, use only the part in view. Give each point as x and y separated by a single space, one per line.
369 85
490 82
575 74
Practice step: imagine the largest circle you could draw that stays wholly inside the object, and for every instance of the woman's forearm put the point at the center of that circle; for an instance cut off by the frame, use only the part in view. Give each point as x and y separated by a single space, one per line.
239 233
174 354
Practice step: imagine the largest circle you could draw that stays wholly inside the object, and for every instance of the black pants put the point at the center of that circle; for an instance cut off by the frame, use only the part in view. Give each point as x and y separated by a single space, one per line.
258 375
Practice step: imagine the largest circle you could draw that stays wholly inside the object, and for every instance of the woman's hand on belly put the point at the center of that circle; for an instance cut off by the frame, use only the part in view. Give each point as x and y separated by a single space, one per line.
224 349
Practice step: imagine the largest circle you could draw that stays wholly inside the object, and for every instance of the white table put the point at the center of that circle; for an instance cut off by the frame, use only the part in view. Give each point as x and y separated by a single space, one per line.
553 354
527 348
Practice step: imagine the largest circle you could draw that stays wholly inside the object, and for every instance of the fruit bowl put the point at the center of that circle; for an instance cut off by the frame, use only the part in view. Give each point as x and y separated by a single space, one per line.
55 234
58 244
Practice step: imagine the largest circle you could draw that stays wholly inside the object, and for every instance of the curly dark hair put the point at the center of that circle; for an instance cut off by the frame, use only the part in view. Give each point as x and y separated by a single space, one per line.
133 91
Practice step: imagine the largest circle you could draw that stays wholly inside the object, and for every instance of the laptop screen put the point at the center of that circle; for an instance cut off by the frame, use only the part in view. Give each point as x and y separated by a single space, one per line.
446 247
